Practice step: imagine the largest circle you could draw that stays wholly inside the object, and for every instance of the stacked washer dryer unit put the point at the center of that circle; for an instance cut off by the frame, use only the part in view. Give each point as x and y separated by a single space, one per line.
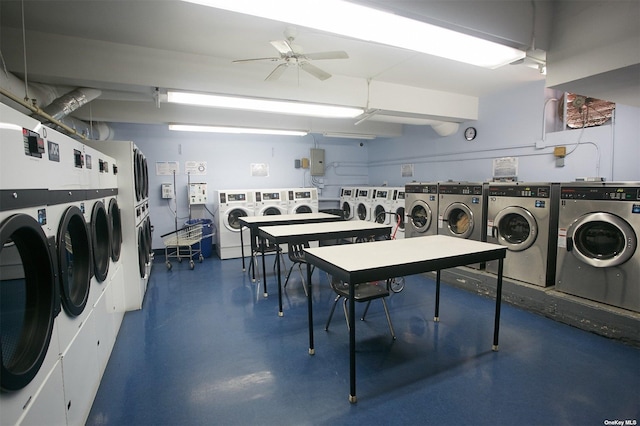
382 200
598 255
271 202
232 204
462 211
303 200
421 208
39 165
31 375
364 203
133 199
348 202
398 208
523 217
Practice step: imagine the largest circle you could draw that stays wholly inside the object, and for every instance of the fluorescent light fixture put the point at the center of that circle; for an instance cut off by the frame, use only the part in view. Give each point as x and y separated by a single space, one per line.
365 23
348 135
237 130
264 105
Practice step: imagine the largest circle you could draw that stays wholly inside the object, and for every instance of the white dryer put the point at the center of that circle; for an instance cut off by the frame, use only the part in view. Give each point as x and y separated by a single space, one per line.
271 202
31 374
303 200
598 231
523 216
232 204
348 202
136 248
382 200
364 203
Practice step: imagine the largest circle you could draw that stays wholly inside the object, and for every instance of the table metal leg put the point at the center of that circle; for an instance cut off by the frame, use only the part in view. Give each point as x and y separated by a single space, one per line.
242 250
496 325
264 270
280 312
352 344
436 315
312 349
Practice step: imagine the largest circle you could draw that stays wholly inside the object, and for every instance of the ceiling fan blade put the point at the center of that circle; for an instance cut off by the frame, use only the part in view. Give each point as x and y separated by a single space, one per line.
339 54
276 73
256 59
283 46
315 71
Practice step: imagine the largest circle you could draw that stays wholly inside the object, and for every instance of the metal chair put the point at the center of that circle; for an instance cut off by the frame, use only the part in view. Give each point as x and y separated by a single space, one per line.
364 292
256 251
296 256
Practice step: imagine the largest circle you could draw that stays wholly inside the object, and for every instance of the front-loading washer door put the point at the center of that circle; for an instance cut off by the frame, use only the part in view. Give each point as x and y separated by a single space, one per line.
74 261
601 240
271 211
29 301
347 211
142 252
399 218
231 220
516 228
100 241
362 211
302 208
380 215
420 216
115 222
459 220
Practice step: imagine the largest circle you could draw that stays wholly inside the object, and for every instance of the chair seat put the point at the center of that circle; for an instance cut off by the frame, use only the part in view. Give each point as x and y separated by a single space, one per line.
362 293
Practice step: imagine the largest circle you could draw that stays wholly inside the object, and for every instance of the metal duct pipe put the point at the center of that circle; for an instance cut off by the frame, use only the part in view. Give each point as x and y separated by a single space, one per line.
66 104
96 131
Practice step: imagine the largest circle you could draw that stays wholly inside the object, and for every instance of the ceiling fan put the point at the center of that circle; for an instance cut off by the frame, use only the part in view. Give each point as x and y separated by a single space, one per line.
293 55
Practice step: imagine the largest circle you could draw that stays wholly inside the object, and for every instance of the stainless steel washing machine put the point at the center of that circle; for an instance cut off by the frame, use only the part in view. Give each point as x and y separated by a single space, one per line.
462 211
421 201
523 217
598 256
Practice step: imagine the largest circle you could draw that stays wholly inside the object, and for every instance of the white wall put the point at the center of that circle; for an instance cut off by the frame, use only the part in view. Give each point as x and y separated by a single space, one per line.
510 125
229 159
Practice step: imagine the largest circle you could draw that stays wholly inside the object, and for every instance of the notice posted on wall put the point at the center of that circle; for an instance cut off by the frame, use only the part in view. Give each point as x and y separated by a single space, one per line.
406 170
505 168
260 169
195 167
167 168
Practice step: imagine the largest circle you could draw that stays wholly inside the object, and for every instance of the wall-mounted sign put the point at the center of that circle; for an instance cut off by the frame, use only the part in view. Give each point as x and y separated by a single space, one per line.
505 168
406 170
260 169
195 167
167 168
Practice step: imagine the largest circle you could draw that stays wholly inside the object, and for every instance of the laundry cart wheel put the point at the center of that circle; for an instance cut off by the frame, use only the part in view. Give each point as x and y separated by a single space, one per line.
168 265
201 258
397 284
192 264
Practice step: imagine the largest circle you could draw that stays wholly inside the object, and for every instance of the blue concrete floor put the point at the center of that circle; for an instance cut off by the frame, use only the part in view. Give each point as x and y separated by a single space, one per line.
208 349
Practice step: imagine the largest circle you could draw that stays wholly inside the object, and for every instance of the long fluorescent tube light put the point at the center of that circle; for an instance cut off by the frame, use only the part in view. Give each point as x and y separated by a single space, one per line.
364 23
237 130
264 105
348 135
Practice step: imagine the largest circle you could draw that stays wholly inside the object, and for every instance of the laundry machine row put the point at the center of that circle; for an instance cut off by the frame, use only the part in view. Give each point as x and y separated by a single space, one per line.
53 271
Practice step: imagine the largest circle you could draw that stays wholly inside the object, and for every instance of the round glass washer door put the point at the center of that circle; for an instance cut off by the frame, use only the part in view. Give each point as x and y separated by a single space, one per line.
29 301
115 222
459 220
271 211
346 210
420 216
100 238
231 221
601 240
74 261
303 208
516 228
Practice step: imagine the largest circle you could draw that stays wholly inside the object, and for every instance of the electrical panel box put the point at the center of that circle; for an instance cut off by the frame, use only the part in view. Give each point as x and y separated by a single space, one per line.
317 162
167 190
197 193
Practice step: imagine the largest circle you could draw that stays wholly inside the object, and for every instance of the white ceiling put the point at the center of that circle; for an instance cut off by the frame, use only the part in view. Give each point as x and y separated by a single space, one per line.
128 48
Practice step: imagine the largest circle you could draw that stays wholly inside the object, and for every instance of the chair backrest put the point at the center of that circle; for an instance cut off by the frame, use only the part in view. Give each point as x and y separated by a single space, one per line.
296 252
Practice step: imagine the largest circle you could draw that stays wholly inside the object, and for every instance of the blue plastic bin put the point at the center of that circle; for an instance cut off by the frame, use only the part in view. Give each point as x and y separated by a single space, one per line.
206 243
